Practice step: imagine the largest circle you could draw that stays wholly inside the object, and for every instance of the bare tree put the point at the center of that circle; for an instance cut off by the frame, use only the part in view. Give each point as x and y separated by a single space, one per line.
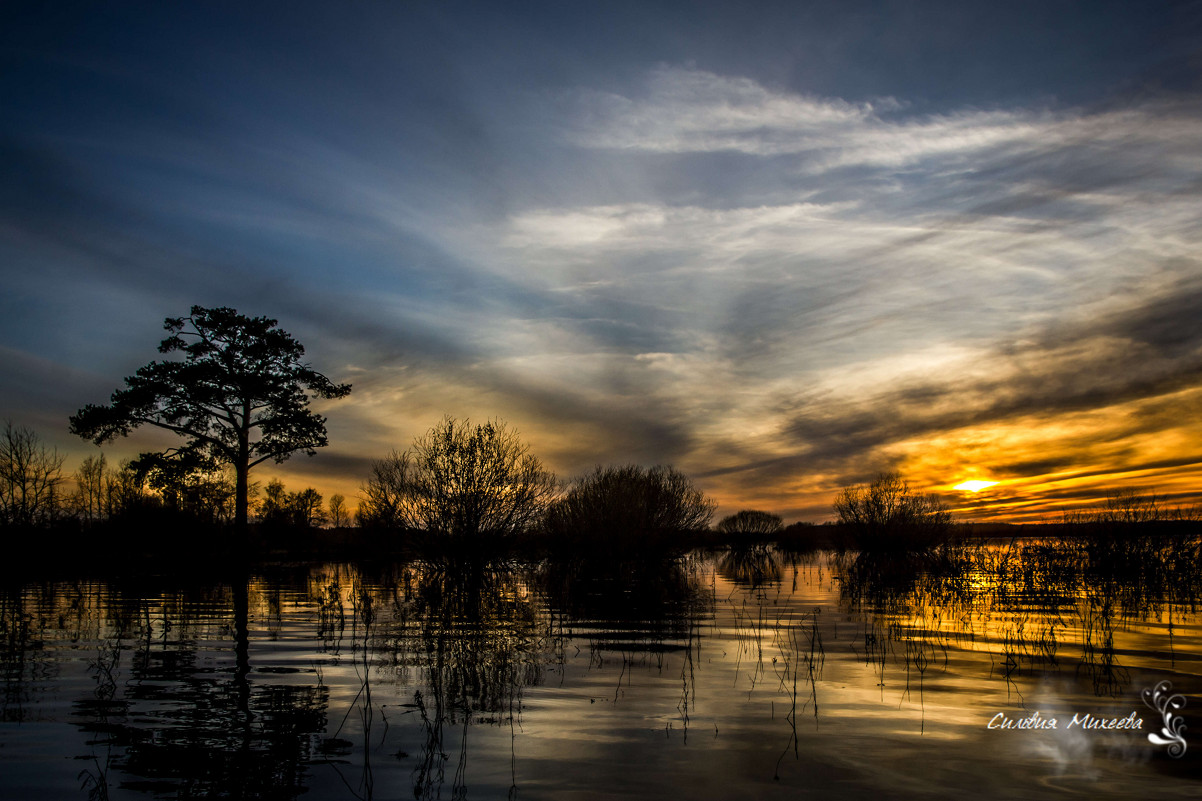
1133 533
386 492
273 510
124 490
89 491
30 476
196 487
1128 507
338 514
462 481
886 516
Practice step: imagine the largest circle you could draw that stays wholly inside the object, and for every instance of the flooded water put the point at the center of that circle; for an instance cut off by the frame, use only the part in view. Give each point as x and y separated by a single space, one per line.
746 675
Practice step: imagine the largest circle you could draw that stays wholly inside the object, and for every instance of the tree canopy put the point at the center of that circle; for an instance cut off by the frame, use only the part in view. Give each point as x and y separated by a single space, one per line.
240 395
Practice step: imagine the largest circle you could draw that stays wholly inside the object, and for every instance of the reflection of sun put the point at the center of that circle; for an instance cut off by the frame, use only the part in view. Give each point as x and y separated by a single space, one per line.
974 486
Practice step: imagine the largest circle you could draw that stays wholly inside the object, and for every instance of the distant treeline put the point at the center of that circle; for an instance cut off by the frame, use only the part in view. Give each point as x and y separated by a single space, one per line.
35 492
470 487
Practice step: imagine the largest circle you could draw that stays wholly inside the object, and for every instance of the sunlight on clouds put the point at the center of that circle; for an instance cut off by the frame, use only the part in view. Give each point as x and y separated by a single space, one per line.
975 485
857 381
690 111
582 227
780 292
807 332
1051 466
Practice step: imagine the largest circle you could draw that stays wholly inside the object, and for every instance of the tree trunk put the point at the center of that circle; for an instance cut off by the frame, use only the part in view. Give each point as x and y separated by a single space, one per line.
242 482
241 497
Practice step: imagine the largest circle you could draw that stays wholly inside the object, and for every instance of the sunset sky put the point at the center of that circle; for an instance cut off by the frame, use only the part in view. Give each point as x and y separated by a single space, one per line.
782 246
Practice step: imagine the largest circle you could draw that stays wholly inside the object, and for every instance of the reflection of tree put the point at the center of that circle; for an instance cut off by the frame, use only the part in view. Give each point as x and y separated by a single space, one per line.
647 592
176 725
19 650
750 565
1020 602
216 744
634 612
474 633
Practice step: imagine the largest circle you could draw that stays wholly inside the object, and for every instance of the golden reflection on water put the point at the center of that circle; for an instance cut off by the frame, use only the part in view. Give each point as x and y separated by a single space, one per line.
726 675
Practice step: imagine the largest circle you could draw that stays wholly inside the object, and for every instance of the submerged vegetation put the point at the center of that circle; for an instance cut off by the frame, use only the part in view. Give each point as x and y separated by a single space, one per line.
433 676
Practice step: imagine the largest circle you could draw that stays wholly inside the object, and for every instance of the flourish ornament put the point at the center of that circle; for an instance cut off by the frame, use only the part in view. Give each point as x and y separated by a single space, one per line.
1170 734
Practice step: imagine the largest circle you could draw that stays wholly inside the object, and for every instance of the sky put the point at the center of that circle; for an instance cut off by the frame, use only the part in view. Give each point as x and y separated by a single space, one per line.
784 247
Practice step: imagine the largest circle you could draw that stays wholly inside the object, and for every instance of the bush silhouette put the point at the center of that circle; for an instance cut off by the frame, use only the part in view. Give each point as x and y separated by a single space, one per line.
619 509
750 525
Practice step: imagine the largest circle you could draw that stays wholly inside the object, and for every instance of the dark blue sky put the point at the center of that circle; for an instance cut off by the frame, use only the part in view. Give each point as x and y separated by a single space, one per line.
781 245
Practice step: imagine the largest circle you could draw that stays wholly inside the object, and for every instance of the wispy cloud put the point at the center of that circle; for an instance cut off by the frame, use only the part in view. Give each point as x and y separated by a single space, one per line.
691 111
933 274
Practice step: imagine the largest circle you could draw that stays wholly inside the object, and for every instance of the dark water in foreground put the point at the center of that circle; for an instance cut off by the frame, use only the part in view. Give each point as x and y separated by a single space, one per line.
720 676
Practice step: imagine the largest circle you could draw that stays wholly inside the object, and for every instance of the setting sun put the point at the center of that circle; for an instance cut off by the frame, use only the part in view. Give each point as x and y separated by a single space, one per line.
974 486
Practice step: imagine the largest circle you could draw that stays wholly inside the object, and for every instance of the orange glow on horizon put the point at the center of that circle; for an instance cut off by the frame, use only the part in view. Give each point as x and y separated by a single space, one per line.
975 485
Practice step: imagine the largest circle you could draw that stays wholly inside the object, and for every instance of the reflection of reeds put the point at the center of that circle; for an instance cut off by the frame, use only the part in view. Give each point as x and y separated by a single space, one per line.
750 624
1098 658
103 669
430 771
17 649
476 638
797 642
1017 600
466 641
688 681
790 647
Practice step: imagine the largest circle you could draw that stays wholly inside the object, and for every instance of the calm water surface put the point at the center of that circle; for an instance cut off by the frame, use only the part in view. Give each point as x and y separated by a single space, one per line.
745 675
